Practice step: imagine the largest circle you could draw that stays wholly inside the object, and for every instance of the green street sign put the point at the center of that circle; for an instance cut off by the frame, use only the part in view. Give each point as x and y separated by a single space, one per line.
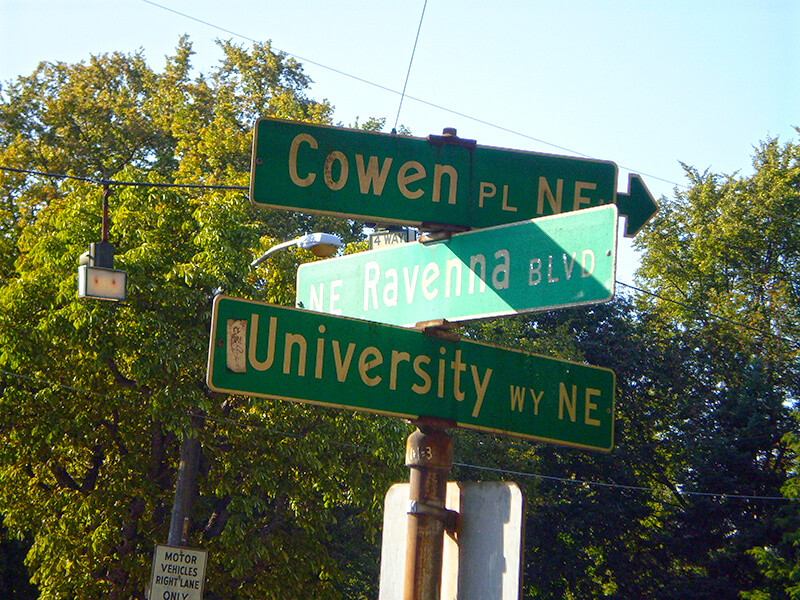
542 264
278 352
432 182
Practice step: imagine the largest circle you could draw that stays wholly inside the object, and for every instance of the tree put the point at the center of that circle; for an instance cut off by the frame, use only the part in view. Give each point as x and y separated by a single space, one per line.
593 519
720 260
96 397
14 580
687 505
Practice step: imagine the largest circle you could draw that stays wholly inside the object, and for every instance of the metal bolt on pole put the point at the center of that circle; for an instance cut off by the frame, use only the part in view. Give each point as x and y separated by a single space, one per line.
429 455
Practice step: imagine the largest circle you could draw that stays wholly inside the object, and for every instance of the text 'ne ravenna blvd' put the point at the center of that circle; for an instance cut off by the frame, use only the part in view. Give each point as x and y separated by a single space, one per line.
415 285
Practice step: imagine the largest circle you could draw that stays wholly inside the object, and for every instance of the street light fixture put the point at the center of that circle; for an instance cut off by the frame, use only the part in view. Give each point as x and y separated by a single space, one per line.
104 284
321 244
97 277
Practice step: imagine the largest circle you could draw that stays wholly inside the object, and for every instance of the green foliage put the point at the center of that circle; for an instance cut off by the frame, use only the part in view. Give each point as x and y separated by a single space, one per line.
685 505
96 397
725 250
598 539
14 580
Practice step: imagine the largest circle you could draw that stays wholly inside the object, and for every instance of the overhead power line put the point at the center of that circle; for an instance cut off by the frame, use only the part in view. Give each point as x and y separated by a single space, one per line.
100 181
402 94
707 313
244 188
620 486
241 424
410 62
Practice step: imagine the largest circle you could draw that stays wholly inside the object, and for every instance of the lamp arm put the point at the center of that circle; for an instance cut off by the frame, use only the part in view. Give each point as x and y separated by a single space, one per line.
272 251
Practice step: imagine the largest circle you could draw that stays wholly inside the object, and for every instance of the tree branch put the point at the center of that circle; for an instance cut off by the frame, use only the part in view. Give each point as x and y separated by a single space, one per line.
218 519
122 381
63 478
90 477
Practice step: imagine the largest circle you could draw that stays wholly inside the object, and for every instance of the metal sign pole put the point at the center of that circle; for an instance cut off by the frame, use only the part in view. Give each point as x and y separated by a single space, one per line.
429 456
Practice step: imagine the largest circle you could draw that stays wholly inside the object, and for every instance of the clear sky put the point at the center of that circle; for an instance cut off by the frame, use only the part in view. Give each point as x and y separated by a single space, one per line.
645 84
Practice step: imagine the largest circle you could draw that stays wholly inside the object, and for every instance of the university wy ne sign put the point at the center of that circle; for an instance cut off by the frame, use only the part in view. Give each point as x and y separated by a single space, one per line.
278 352
441 180
541 264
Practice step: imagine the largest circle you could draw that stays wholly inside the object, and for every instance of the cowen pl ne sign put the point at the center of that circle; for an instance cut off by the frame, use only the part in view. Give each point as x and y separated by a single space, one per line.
541 264
278 352
441 180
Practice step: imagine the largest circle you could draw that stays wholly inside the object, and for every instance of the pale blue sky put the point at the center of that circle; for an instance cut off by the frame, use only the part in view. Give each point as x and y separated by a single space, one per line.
642 83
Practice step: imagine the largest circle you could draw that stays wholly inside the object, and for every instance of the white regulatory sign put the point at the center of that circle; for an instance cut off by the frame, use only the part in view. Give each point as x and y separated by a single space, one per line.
389 237
484 560
178 573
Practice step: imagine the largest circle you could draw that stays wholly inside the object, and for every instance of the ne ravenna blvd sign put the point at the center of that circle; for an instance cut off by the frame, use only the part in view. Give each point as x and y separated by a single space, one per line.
541 264
438 180
285 353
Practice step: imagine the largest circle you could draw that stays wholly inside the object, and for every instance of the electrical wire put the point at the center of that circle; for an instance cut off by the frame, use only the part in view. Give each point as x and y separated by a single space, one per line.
402 94
255 41
235 423
620 486
410 62
244 188
125 183
711 314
